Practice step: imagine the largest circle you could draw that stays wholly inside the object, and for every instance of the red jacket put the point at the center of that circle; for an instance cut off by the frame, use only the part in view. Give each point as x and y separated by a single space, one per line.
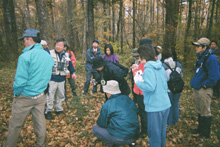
73 59
137 90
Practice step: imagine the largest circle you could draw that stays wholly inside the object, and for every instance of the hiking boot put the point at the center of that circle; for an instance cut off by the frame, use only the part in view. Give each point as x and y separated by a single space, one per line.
48 116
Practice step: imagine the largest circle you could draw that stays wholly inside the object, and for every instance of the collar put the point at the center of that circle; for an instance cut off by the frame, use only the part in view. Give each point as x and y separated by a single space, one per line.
168 59
199 55
60 53
30 47
95 50
114 96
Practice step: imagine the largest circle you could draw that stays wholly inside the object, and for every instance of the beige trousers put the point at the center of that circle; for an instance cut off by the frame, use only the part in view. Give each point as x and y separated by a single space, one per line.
202 99
21 107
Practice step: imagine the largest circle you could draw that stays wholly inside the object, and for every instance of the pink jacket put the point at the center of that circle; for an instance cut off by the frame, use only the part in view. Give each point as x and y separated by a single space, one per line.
73 59
137 90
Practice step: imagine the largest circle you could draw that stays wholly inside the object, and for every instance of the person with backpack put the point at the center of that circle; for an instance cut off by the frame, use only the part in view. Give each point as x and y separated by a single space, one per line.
174 73
109 54
110 71
205 78
153 83
215 51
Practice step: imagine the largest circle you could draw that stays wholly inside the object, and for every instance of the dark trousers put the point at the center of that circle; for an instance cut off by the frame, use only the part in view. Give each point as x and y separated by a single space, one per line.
216 89
88 79
142 112
72 85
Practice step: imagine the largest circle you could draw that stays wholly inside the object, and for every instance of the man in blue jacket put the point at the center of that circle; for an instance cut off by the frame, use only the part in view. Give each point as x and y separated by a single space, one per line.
205 78
91 53
33 74
118 121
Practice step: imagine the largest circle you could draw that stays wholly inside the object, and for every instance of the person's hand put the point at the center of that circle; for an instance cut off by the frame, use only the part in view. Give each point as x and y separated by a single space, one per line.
138 78
134 66
74 76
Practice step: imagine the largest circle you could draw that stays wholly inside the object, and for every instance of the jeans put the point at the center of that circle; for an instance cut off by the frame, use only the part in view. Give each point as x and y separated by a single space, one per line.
87 83
142 113
108 139
157 127
174 109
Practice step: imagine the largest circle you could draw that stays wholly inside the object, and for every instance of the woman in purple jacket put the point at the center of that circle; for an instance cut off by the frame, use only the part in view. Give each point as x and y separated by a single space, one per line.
109 54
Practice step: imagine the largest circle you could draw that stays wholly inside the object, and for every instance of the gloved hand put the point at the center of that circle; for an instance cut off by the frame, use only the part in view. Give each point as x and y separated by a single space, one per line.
138 77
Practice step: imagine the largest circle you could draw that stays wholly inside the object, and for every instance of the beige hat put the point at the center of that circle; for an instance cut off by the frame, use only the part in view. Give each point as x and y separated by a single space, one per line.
159 47
112 87
202 41
43 42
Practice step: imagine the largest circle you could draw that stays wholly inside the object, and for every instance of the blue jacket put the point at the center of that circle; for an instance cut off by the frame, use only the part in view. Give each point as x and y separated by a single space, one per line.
201 77
154 87
112 72
119 115
89 56
34 71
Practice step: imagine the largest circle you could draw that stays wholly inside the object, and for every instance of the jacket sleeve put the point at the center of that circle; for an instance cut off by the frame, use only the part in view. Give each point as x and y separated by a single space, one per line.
21 76
103 117
71 68
88 57
73 58
150 81
213 72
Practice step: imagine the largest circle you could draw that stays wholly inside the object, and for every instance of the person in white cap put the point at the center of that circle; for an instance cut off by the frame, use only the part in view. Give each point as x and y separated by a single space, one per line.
159 49
44 45
118 121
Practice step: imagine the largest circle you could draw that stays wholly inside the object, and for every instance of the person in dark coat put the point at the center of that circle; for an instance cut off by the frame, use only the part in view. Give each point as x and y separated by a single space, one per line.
110 71
91 53
118 123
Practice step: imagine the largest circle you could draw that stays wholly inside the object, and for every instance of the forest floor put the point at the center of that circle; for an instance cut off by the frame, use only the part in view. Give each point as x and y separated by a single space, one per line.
74 126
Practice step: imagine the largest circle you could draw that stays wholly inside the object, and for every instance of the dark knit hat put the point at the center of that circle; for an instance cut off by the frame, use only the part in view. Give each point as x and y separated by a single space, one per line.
96 40
145 41
98 62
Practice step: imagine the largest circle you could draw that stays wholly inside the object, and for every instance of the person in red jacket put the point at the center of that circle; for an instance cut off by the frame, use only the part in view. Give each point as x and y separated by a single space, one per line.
138 68
71 80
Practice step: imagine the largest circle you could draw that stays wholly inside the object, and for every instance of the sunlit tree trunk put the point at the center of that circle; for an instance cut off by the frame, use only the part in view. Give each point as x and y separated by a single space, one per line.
91 33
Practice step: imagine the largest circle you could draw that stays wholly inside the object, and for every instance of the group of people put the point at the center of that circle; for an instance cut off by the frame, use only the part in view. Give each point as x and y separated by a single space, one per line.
41 75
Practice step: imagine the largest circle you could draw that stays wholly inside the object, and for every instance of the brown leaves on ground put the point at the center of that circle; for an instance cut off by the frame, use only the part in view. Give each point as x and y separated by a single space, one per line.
74 126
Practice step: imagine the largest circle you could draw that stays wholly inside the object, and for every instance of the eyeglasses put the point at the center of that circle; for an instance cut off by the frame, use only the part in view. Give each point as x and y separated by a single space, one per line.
25 39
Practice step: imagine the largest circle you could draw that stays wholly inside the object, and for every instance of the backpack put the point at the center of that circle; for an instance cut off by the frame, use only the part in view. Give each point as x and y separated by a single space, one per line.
124 70
204 62
176 83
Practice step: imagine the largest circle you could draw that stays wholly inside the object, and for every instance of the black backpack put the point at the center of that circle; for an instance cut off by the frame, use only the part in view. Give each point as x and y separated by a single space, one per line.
176 83
124 70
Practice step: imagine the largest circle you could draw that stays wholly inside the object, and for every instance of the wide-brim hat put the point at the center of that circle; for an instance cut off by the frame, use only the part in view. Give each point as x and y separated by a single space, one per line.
202 41
98 62
29 33
112 87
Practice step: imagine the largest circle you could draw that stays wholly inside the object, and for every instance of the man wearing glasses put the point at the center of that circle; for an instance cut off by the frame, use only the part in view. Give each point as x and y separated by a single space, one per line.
205 78
32 76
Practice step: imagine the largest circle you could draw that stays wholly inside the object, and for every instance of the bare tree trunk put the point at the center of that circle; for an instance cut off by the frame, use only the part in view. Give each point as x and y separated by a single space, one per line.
51 6
91 33
113 22
134 13
121 20
84 46
186 48
10 29
28 17
70 21
109 19
105 20
43 20
211 20
172 11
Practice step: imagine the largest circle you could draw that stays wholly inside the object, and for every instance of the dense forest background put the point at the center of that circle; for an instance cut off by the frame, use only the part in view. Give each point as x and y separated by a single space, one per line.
169 23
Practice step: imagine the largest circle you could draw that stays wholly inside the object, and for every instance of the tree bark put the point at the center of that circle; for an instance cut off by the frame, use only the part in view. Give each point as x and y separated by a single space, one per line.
84 46
43 20
172 11
91 33
134 13
10 29
211 20
186 48
113 22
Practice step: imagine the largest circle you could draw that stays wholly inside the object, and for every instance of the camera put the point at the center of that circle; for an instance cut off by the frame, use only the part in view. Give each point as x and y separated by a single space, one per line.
60 66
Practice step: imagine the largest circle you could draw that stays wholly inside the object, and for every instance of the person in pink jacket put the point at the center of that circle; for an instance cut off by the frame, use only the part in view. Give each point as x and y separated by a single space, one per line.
71 80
